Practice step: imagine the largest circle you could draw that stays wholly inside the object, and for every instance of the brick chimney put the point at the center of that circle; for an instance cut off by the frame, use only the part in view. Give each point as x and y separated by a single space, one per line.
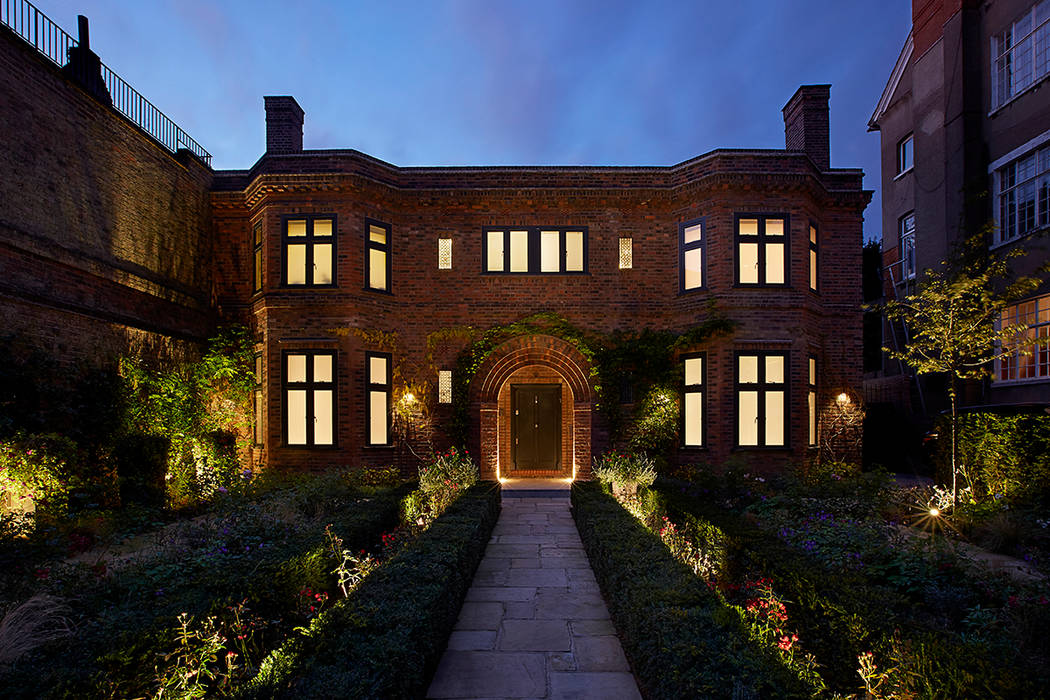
807 125
284 125
83 64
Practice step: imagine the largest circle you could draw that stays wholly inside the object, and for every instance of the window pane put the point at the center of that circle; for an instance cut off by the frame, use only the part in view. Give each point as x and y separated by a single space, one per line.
747 423
550 253
322 368
626 254
495 251
692 234
297 227
376 268
258 417
519 251
444 253
813 371
747 369
774 418
694 373
258 369
376 234
257 233
296 407
774 227
377 370
323 417
574 251
812 234
444 386
812 407
296 368
748 263
322 227
774 263
812 269
749 227
258 269
774 369
377 413
323 264
694 404
296 264
694 275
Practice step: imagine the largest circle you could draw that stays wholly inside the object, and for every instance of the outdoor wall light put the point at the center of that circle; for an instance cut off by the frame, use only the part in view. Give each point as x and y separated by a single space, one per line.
408 398
842 399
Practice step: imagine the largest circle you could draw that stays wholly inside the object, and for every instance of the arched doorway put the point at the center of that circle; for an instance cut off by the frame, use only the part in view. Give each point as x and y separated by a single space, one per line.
534 402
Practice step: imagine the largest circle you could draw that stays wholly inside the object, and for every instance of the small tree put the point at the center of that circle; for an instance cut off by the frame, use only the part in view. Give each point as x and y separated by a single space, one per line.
954 322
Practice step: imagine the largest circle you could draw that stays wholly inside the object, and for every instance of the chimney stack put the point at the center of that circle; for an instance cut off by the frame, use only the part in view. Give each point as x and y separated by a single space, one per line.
807 124
83 64
284 125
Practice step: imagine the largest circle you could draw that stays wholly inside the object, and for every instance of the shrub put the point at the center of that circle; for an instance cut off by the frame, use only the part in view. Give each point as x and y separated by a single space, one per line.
624 468
444 478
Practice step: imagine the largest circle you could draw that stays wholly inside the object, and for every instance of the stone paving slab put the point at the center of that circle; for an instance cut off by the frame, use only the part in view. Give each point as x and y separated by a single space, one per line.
534 625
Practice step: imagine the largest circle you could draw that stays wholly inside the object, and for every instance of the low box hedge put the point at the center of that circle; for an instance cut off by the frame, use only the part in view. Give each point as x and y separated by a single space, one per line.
681 640
386 638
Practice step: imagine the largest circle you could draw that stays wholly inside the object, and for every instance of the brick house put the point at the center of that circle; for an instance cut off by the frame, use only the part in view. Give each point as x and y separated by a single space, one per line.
360 278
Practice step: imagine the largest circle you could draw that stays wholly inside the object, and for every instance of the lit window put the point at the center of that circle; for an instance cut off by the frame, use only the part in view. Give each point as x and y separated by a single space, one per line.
762 249
377 366
813 257
258 416
444 253
693 401
811 401
691 243
535 250
905 154
907 235
377 256
309 251
761 391
1021 54
257 249
444 386
309 398
1023 195
626 253
1029 357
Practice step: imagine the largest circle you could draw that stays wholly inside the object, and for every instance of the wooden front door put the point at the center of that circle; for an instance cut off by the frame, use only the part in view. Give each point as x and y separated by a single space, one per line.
536 426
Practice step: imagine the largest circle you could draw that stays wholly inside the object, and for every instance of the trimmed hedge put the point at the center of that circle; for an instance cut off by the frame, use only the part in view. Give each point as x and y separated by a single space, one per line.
681 640
386 638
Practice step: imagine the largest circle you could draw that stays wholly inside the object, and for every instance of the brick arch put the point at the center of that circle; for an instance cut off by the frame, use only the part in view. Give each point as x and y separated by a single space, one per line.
530 351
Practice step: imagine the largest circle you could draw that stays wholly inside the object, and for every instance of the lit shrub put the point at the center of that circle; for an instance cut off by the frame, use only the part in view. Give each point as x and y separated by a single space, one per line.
625 468
445 477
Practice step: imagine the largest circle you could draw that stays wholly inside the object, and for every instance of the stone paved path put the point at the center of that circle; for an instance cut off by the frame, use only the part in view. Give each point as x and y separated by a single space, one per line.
534 624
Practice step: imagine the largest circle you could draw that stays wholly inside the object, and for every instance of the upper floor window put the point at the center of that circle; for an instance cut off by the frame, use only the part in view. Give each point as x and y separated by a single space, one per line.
761 398
309 397
761 249
377 256
1029 359
691 244
693 401
1021 54
907 236
257 248
535 250
813 257
1022 190
626 253
906 154
309 251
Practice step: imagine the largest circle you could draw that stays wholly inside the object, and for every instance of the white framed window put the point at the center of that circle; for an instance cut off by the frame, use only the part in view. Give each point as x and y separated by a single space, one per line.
761 399
1021 54
444 253
377 371
535 250
309 397
693 400
906 154
1022 193
906 228
626 253
1034 363
444 386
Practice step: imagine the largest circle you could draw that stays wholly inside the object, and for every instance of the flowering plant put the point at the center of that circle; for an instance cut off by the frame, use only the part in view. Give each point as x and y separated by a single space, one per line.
625 468
445 477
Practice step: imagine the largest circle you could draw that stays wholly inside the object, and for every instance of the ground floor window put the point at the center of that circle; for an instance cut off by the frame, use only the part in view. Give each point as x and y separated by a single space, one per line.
377 367
693 401
1026 361
761 398
309 397
811 401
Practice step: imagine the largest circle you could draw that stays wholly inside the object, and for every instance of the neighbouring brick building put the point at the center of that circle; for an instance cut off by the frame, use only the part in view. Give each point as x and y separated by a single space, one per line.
358 278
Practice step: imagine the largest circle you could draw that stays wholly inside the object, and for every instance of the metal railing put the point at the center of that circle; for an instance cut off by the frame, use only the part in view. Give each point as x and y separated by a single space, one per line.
48 38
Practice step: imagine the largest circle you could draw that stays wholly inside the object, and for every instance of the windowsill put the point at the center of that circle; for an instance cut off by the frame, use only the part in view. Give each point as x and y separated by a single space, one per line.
286 286
902 173
761 448
762 285
388 446
683 292
378 291
1019 382
323 448
693 448
1016 239
1035 85
498 273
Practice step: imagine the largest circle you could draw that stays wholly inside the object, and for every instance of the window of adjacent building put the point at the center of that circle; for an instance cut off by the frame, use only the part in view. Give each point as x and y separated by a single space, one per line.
535 250
906 226
626 253
309 397
813 257
761 249
905 154
691 245
1023 195
811 401
1021 54
377 256
444 253
761 399
309 251
693 401
444 386
1025 361
377 367
257 402
257 249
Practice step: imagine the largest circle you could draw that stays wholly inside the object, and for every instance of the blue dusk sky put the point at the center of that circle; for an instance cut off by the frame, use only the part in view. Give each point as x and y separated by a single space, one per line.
493 82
